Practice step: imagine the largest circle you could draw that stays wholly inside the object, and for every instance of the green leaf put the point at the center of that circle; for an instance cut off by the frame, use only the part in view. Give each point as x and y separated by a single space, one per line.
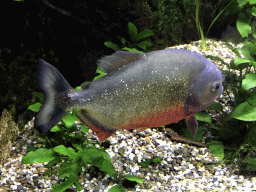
248 49
66 184
239 61
243 25
239 64
252 2
133 32
78 186
249 81
56 128
69 119
39 95
252 99
156 160
53 162
253 11
116 188
215 106
145 33
217 148
77 146
99 159
123 40
78 88
143 45
61 149
241 3
68 169
251 164
41 155
244 112
85 128
134 178
131 49
145 163
111 45
101 74
202 116
35 107
250 137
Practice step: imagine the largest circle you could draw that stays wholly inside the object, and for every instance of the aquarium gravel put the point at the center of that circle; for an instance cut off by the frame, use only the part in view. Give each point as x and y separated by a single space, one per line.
183 167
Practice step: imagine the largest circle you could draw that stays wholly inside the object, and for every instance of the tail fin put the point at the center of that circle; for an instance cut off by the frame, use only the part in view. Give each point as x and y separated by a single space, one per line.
55 89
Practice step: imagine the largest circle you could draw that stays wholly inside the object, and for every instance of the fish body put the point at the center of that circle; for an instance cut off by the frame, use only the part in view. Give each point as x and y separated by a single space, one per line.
139 91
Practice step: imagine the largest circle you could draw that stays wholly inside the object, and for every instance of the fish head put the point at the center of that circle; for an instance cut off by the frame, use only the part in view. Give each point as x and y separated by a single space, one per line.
205 87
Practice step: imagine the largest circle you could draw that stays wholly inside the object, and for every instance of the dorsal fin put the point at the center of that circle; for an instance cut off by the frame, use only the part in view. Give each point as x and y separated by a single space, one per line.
117 60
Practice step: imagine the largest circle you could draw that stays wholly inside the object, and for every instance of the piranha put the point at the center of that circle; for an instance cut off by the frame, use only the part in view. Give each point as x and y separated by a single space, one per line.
138 91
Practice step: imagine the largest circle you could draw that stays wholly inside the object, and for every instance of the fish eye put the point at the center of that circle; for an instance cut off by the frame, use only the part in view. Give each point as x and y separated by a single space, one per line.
215 86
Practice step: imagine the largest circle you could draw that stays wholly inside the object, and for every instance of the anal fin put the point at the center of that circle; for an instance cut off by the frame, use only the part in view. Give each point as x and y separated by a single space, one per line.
101 131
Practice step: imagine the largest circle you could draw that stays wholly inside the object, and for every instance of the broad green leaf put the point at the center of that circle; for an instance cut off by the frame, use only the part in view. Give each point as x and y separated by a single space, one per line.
53 162
134 178
244 112
35 107
111 45
131 49
41 155
101 74
66 184
69 119
202 116
252 99
248 49
116 188
250 137
123 40
217 148
61 149
78 88
242 2
251 164
145 163
156 160
252 2
56 128
145 33
98 158
243 25
68 168
215 106
85 128
143 45
133 32
253 64
78 186
253 11
249 81
238 61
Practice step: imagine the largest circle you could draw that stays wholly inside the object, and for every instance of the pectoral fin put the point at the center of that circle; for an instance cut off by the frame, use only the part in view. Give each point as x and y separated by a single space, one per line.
192 124
101 131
